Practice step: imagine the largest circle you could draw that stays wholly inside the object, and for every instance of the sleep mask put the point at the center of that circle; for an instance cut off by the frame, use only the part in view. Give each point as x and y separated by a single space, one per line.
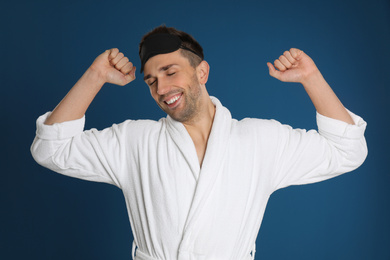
160 43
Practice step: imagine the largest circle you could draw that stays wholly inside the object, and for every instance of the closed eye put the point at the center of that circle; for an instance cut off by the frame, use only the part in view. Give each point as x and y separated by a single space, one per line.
150 84
168 74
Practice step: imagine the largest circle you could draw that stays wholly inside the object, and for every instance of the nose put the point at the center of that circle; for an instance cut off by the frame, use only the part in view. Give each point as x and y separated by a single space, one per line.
163 87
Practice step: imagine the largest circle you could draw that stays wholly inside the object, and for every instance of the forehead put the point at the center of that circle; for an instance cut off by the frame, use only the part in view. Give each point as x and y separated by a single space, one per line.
154 64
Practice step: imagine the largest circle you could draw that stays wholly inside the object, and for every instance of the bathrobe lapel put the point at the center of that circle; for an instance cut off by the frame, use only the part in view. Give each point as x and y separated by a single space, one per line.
207 175
185 144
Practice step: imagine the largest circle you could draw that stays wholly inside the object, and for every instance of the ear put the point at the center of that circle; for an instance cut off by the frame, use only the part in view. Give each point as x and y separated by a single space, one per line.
203 70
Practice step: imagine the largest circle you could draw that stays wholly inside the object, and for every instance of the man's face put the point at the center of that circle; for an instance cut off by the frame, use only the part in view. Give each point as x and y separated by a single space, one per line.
174 85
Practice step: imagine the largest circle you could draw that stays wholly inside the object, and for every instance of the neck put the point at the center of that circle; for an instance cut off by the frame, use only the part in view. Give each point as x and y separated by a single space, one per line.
199 127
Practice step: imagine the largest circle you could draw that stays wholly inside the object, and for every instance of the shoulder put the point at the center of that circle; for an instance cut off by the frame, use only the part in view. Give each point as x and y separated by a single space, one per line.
130 128
142 126
261 129
255 124
140 123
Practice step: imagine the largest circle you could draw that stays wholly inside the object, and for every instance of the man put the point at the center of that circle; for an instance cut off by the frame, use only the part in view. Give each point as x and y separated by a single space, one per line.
196 183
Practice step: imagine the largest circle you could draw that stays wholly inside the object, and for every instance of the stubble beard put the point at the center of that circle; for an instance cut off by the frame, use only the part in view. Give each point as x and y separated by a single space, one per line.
192 100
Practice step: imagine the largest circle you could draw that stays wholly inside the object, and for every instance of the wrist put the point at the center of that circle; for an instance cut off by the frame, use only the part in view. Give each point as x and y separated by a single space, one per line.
94 75
312 79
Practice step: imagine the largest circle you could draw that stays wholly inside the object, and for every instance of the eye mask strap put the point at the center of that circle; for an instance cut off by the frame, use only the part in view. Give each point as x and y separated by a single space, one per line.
160 43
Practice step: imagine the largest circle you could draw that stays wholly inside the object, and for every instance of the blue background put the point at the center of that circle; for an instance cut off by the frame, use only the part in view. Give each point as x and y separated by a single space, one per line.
47 45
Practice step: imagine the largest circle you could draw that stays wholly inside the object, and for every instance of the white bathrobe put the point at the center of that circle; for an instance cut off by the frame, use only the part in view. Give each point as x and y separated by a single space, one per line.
179 210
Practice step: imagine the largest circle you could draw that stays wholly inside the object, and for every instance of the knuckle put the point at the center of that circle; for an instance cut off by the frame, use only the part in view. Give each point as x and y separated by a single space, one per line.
114 50
126 68
112 53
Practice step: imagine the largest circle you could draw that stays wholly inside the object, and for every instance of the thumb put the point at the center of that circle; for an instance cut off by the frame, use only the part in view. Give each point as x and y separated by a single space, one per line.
130 76
272 71
104 57
123 79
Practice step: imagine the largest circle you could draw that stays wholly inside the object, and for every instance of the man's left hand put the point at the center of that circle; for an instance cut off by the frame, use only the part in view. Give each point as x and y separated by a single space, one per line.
293 66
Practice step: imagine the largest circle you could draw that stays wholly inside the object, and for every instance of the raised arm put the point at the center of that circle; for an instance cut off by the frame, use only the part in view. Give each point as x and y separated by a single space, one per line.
296 66
109 67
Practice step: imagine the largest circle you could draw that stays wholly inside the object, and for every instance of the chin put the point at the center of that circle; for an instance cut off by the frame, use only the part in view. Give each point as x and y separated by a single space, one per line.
183 117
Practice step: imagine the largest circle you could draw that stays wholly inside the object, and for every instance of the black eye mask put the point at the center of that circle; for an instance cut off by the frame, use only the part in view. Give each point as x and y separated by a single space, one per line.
160 43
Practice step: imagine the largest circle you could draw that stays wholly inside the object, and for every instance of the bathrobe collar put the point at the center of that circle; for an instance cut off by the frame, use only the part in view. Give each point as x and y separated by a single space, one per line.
211 167
219 132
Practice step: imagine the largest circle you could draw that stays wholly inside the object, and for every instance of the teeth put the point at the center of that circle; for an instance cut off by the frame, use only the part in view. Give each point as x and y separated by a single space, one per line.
173 99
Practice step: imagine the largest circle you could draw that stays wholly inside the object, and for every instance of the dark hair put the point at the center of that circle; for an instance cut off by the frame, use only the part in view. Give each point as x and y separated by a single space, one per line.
187 41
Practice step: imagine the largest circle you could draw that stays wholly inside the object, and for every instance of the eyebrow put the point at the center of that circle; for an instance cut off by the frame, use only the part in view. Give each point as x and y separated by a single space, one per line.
165 68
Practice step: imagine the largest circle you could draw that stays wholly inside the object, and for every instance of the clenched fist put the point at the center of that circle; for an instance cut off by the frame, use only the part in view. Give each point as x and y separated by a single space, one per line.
113 67
293 66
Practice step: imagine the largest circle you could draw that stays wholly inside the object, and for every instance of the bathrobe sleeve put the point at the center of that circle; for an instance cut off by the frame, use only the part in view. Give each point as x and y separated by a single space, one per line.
311 156
90 155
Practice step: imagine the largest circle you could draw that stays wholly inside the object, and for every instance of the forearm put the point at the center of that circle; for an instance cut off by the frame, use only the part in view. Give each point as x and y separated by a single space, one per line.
296 66
76 102
324 99
111 66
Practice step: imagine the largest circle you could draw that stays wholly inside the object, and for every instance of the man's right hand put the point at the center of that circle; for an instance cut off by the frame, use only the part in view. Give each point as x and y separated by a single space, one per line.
109 67
113 67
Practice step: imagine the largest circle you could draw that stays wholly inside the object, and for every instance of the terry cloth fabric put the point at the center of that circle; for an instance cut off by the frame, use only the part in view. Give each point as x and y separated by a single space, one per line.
179 210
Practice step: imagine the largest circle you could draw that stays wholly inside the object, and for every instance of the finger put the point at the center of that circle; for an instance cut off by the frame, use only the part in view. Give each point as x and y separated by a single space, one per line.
272 71
112 53
131 76
132 72
289 57
295 53
285 62
117 58
127 68
279 65
121 63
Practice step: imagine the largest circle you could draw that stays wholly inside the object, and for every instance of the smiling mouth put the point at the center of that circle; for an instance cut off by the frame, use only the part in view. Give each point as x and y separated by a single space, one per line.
173 100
